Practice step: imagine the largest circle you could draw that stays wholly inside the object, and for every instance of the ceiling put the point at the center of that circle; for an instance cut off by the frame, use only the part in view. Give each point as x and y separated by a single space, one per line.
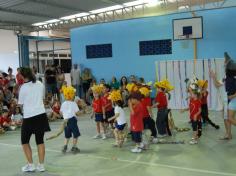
21 14
27 12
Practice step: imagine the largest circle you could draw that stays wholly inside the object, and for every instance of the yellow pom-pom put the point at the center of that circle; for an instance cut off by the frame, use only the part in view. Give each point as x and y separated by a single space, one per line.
202 83
115 95
144 91
98 89
69 92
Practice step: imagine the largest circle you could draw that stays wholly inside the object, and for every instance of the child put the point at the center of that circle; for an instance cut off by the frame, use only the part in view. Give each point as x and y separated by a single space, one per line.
136 120
56 110
203 84
195 112
70 110
107 109
161 104
17 117
148 121
48 109
97 111
5 121
119 118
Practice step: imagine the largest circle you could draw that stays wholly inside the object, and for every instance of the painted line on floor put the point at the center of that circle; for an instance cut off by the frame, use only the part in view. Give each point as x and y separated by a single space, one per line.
138 162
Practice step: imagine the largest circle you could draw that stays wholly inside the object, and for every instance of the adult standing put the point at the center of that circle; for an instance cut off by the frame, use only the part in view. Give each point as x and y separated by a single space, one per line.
86 80
75 79
60 80
50 80
34 119
11 79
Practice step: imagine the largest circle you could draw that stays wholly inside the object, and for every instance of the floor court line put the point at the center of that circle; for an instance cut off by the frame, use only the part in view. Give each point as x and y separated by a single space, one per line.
138 162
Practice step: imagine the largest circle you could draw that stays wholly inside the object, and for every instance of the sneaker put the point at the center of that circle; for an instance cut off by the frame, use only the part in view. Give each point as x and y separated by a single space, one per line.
162 136
64 149
97 136
75 150
28 168
141 145
40 168
104 136
136 150
154 140
193 141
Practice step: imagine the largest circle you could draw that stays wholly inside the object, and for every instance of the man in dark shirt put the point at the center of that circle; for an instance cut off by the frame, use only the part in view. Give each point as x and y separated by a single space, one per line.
50 80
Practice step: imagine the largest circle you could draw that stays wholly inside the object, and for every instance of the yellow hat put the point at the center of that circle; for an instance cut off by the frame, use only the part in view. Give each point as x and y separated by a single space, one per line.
69 92
144 91
164 84
115 95
131 87
202 83
97 88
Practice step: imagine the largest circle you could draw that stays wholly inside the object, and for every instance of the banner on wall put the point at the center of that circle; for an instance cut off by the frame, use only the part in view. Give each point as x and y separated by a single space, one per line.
177 71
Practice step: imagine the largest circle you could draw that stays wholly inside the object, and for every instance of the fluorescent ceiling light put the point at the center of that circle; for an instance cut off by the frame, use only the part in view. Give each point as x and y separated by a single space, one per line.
39 24
149 3
133 3
107 9
52 21
74 16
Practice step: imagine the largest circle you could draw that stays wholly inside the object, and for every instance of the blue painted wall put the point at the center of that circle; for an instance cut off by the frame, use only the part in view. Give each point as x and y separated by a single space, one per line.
219 35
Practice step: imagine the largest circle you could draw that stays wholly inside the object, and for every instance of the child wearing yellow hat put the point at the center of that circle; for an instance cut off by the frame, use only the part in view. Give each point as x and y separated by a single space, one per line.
203 84
70 110
119 118
149 123
162 106
97 111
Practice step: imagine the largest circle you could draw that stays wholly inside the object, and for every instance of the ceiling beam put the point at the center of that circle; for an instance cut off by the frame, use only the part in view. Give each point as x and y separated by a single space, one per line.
14 23
22 12
57 5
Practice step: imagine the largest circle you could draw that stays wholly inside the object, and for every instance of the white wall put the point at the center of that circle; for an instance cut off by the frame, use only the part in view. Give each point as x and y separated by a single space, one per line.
8 50
48 45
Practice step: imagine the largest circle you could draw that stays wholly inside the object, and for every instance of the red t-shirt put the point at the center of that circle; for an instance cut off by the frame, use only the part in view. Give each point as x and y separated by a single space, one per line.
136 119
56 109
146 102
4 119
162 100
194 107
97 105
204 98
19 79
106 102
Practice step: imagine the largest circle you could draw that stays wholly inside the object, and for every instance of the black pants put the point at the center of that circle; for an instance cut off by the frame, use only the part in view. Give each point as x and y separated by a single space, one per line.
205 117
197 126
149 123
162 121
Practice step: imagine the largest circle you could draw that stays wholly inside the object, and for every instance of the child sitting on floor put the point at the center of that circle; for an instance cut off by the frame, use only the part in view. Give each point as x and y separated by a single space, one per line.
5 121
118 118
17 117
56 110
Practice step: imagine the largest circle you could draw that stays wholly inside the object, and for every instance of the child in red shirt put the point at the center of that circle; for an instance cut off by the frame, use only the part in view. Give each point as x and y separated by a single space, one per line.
195 114
5 121
162 113
56 110
148 121
97 112
204 94
107 108
136 120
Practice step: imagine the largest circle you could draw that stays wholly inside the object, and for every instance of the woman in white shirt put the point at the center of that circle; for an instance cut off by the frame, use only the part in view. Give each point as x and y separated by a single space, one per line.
34 118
